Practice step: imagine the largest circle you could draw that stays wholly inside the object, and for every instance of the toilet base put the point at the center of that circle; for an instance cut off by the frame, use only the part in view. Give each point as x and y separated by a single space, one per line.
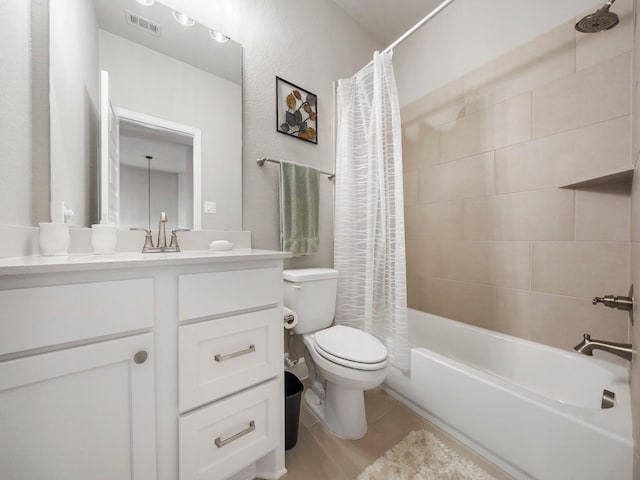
343 412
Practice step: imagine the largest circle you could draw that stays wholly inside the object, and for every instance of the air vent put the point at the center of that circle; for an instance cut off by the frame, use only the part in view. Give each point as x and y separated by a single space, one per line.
142 23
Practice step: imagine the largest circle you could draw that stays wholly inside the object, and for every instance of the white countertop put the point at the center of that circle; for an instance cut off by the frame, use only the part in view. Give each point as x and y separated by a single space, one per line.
88 261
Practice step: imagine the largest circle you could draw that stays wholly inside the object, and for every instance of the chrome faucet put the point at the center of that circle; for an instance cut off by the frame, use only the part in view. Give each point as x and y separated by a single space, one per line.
587 346
161 246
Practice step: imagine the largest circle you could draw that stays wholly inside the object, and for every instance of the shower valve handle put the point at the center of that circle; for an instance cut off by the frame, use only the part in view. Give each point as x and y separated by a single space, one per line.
614 301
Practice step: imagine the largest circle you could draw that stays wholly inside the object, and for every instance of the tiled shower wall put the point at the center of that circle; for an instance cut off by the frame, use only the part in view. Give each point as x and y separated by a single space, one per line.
491 238
635 240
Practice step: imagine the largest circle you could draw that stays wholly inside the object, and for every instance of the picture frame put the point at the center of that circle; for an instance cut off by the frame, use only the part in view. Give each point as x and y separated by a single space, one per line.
296 111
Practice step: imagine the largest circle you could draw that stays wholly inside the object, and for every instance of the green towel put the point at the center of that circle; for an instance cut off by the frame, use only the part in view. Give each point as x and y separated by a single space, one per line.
299 208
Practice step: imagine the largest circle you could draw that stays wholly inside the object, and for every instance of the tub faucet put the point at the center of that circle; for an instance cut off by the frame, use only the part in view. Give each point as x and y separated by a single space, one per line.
587 346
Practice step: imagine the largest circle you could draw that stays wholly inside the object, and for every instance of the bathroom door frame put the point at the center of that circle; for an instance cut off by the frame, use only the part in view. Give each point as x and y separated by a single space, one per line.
156 123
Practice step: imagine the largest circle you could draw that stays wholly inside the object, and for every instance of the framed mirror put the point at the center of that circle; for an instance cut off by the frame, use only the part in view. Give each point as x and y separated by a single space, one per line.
129 80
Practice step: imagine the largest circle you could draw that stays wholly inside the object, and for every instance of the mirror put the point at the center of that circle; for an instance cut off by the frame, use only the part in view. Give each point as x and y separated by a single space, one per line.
171 89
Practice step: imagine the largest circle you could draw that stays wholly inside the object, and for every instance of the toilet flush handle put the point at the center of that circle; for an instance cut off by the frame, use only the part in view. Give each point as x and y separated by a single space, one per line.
296 286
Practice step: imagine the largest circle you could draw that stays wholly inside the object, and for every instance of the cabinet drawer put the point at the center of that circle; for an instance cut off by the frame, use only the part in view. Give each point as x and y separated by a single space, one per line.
43 316
218 440
207 294
222 356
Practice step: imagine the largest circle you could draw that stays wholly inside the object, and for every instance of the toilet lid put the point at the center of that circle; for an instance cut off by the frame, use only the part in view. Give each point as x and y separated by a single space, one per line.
350 344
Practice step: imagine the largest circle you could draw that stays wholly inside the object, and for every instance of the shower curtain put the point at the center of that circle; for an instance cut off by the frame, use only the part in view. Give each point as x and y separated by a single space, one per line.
369 220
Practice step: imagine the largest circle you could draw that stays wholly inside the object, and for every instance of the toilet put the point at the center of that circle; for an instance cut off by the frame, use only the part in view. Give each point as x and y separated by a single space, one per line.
343 362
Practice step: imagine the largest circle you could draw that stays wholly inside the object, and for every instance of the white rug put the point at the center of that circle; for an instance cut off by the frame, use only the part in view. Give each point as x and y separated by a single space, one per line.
421 456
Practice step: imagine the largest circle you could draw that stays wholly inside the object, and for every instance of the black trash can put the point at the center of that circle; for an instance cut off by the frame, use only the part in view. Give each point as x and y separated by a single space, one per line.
292 398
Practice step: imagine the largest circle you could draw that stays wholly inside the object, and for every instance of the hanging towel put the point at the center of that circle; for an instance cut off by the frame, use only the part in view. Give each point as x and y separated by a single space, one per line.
299 208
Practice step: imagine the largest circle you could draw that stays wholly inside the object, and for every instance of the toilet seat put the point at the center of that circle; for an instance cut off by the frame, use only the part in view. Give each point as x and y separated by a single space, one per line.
351 348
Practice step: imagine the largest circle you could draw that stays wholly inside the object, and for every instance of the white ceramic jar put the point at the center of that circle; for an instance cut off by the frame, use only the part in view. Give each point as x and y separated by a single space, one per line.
54 238
103 238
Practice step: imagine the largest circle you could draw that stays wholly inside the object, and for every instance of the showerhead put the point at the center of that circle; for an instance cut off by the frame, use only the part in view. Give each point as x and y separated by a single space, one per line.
599 21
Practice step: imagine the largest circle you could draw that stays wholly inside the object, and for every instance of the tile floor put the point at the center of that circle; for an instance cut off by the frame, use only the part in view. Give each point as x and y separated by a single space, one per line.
319 455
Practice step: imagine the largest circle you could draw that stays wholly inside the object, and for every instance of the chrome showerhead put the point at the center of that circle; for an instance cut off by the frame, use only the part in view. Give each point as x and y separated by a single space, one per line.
599 21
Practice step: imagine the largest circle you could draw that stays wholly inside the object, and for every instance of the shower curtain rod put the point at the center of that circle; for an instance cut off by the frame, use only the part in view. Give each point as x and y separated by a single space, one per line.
413 29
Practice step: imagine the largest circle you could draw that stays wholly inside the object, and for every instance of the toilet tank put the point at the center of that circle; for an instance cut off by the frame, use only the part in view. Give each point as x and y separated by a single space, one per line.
311 293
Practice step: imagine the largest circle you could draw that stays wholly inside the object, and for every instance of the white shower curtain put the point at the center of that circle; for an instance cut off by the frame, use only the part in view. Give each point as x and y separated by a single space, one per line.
369 221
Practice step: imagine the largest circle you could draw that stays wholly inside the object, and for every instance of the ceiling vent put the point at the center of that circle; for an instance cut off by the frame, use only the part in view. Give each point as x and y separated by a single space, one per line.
142 23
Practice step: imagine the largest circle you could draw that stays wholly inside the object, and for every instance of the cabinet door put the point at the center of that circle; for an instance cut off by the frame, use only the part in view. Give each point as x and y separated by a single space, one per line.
83 413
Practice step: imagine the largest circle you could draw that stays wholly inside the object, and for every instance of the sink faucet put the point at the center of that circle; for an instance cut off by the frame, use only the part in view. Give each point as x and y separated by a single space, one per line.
161 246
587 346
162 236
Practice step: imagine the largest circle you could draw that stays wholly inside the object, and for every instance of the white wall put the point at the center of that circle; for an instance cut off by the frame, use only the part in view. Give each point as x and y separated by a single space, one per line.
15 107
310 45
134 188
73 103
148 82
470 33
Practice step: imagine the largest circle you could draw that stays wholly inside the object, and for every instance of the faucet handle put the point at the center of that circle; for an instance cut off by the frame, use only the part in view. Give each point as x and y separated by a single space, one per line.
148 241
174 237
614 301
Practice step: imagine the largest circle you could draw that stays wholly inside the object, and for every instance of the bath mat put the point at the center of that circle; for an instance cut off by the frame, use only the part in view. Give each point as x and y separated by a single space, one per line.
421 456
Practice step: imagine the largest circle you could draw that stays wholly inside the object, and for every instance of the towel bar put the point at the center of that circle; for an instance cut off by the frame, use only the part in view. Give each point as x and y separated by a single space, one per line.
261 161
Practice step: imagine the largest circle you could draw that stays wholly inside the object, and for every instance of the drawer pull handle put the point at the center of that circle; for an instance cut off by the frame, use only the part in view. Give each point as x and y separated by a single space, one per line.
229 356
221 443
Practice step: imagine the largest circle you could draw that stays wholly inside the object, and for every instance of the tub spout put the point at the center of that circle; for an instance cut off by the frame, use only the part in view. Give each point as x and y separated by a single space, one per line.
587 346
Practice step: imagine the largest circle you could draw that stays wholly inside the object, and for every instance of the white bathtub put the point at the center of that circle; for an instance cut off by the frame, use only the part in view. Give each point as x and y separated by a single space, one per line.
531 409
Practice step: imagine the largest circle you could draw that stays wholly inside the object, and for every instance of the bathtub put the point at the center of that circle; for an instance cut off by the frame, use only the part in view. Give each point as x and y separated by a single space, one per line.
531 409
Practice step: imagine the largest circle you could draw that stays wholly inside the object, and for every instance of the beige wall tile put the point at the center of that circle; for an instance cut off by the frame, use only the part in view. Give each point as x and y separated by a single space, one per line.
468 177
635 205
423 258
412 223
410 185
555 320
435 221
491 263
580 269
478 219
420 146
600 92
635 341
563 158
512 264
466 302
538 215
413 292
592 49
546 58
439 107
503 124
602 213
466 261
635 118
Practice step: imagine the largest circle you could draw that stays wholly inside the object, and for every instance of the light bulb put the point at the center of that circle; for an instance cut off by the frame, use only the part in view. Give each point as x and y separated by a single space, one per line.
218 36
182 19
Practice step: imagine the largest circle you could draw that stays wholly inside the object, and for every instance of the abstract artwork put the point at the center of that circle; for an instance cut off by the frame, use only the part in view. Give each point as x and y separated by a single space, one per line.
297 111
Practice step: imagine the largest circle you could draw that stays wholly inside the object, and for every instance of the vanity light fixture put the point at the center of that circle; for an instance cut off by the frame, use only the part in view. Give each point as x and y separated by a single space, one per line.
218 36
182 19
146 3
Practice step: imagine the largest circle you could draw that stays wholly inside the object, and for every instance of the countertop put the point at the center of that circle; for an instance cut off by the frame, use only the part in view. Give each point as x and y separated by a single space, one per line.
87 261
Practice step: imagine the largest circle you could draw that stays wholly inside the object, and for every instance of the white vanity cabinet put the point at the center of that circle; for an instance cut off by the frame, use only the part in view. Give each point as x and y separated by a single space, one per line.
79 413
149 369
74 405
233 358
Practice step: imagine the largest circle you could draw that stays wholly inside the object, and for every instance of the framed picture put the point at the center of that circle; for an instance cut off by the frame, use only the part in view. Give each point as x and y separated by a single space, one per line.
297 111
